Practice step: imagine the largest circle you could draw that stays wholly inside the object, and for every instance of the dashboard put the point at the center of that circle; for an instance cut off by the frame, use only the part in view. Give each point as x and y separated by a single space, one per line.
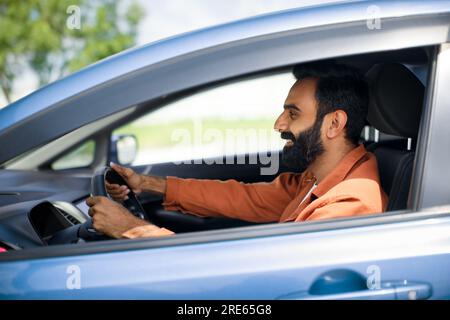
45 208
36 206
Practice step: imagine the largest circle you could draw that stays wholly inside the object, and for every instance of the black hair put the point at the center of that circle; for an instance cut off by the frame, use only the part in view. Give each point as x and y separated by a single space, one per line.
339 87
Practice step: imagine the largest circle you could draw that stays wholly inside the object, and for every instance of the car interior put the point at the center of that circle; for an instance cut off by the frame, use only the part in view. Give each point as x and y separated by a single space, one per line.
38 208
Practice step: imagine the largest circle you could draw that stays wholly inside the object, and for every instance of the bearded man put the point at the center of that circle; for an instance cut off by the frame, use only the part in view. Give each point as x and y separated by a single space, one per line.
322 119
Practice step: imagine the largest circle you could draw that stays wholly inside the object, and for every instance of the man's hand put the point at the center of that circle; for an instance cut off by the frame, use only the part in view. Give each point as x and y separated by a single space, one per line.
111 218
134 181
138 183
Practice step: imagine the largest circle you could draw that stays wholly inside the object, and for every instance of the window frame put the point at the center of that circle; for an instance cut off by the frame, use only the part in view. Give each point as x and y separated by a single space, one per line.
431 159
414 214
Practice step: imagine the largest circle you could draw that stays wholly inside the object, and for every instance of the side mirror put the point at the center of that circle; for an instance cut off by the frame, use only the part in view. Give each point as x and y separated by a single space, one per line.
123 149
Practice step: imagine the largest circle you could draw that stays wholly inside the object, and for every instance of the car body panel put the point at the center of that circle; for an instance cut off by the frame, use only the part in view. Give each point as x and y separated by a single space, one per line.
242 269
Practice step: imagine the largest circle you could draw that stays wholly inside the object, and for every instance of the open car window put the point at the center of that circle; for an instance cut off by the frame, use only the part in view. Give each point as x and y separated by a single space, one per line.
235 118
81 157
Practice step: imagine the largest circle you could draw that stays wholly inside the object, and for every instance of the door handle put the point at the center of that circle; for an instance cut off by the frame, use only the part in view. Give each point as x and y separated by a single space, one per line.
349 285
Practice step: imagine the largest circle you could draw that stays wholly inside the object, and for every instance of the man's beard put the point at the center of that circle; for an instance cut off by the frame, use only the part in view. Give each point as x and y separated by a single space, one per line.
306 148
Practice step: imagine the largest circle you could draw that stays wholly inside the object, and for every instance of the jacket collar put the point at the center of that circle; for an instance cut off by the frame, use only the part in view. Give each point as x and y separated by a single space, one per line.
339 173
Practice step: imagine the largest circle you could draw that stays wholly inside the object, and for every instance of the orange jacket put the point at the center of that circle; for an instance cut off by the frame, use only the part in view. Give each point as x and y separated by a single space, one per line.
351 189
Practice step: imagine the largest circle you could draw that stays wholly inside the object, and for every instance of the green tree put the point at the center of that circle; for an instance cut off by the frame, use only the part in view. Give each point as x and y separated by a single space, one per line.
35 34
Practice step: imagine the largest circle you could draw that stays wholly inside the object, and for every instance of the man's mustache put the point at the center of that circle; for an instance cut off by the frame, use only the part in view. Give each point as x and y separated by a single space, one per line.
288 136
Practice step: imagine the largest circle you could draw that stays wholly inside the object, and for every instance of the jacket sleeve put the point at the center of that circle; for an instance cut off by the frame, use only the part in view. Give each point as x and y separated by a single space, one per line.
254 202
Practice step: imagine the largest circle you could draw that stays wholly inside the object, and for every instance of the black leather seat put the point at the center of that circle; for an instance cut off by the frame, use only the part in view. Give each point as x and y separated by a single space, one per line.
396 98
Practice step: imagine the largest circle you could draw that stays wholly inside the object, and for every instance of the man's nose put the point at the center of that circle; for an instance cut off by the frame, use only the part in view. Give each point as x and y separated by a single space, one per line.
280 124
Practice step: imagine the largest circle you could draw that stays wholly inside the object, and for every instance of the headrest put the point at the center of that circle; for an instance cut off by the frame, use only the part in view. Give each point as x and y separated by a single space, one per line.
396 97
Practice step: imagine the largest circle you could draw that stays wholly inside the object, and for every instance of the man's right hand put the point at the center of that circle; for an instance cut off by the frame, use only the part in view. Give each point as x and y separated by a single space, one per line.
134 181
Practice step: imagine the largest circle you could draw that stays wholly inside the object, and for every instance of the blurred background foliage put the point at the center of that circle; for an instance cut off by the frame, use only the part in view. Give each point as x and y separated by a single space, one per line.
34 35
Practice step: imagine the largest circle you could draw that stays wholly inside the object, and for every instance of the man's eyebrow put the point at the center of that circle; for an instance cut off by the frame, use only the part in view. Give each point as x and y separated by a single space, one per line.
292 107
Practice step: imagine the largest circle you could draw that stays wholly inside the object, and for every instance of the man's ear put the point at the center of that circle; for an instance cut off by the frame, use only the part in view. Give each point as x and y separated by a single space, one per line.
336 123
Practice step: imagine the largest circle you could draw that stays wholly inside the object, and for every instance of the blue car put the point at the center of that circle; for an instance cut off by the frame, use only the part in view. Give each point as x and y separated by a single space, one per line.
56 142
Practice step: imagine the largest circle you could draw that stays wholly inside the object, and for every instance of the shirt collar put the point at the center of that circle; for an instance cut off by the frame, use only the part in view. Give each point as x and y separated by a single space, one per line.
339 173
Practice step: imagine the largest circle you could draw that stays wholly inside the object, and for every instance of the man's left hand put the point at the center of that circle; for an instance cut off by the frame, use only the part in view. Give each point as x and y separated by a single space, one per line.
111 218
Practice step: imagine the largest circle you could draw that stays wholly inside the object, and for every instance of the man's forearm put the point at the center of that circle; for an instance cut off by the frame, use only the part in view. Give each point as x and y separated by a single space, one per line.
154 184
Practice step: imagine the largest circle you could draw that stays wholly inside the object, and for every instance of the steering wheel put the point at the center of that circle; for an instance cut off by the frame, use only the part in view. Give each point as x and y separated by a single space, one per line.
98 188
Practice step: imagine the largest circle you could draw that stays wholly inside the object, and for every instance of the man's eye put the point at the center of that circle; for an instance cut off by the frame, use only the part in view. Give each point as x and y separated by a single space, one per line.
292 115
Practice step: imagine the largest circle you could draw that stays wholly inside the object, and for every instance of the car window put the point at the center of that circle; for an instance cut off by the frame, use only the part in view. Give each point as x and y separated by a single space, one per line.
235 118
81 157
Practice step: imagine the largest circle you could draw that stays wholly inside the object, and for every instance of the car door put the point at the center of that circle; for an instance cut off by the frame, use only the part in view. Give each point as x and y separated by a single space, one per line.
385 257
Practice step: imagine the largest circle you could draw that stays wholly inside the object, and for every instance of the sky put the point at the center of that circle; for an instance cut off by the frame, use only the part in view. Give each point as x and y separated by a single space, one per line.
170 17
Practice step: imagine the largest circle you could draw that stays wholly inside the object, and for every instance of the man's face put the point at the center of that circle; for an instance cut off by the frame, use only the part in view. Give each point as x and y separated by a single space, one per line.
298 125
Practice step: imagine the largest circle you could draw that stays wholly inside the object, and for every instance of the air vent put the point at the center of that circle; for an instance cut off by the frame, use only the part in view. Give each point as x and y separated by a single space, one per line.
70 218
